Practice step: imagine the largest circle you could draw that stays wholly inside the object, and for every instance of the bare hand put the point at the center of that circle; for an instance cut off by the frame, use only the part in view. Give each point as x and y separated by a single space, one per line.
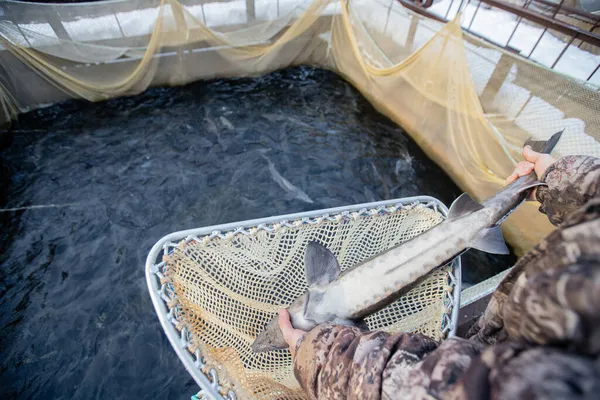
534 161
290 334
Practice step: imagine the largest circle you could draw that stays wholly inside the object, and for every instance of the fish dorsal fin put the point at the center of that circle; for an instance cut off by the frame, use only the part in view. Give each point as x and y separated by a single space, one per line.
320 264
491 241
544 146
536 145
463 205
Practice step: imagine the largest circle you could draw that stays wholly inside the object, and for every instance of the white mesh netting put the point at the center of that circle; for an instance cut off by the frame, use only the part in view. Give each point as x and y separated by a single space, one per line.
225 287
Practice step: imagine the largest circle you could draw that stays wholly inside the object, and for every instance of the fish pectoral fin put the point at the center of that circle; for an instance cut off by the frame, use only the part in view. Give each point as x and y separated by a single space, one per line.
359 323
320 265
362 325
463 205
491 241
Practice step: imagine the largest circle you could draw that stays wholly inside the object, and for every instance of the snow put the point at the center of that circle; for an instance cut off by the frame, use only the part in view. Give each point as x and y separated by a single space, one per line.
98 28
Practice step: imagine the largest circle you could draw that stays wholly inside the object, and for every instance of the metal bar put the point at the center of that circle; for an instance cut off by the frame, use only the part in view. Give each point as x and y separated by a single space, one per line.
482 289
526 14
594 26
525 5
24 36
420 10
119 25
563 51
448 11
474 15
558 8
387 19
514 31
548 22
460 6
536 43
277 8
469 314
593 72
569 10
522 108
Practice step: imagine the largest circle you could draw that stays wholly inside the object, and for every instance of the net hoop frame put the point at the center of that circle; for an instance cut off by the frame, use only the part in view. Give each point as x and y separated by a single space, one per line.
162 294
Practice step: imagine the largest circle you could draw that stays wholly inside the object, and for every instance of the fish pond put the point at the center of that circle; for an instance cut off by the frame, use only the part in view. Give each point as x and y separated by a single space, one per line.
88 188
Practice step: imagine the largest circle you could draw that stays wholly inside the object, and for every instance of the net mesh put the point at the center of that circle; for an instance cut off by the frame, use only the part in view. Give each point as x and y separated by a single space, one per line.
227 287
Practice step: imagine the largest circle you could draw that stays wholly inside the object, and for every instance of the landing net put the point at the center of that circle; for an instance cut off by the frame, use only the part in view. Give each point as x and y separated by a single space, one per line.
221 287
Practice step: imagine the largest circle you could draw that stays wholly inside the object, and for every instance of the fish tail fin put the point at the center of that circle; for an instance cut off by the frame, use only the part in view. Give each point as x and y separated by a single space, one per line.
544 146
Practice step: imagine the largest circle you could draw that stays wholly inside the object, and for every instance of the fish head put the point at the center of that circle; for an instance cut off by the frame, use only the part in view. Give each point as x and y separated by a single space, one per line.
271 337
321 267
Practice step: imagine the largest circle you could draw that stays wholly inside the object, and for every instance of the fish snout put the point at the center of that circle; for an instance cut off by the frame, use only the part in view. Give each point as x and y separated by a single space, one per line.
270 338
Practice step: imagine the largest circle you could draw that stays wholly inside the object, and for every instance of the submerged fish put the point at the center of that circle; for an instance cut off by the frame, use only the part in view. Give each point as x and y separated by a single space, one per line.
227 123
347 297
291 190
211 127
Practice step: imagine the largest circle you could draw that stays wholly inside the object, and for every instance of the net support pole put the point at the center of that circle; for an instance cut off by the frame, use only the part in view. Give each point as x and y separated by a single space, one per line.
250 10
496 80
412 30
53 19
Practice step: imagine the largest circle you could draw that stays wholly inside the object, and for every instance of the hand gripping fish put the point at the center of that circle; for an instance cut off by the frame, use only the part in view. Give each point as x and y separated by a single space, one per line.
347 297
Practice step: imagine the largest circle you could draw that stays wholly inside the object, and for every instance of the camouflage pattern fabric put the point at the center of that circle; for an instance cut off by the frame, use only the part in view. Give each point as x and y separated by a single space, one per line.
546 299
538 338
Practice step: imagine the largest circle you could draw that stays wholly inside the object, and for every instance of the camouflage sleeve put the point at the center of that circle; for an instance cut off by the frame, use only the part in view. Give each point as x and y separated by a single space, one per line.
518 371
567 299
572 181
551 294
334 361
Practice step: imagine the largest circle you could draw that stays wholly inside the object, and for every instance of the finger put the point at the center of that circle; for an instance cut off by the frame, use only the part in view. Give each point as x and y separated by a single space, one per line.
530 155
290 334
513 177
521 169
543 163
524 168
285 325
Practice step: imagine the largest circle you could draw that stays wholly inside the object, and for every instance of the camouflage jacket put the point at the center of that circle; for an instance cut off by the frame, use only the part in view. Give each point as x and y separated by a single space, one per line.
541 325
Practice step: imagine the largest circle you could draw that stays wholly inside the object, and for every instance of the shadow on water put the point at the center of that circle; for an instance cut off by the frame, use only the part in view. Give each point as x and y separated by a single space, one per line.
87 189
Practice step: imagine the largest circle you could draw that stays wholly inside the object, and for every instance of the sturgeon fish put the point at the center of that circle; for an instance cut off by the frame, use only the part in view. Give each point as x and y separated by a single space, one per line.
347 297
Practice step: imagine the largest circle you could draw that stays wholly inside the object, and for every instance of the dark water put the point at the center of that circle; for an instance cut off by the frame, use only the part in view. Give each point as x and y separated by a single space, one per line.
111 178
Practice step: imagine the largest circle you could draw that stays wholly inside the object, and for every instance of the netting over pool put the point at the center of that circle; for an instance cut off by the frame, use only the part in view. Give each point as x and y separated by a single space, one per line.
223 287
468 104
